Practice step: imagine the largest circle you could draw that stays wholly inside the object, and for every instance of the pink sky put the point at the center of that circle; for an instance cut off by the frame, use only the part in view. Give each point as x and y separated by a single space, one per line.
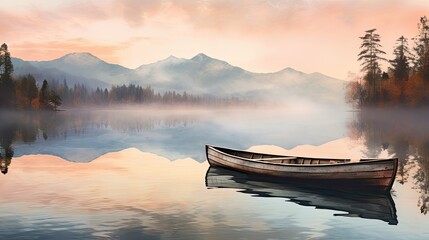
257 35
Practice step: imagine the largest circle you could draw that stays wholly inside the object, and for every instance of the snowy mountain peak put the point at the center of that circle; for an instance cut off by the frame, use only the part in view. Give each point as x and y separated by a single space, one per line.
172 57
200 57
212 63
83 58
171 60
291 70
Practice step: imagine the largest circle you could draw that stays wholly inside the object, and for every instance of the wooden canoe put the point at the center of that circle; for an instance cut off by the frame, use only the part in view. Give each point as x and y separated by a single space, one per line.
366 174
367 205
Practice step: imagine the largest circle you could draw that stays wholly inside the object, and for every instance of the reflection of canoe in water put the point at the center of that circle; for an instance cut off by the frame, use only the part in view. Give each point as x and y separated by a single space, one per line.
364 205
366 174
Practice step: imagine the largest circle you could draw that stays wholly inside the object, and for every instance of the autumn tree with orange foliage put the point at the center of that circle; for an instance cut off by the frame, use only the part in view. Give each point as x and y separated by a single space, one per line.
403 85
21 92
26 92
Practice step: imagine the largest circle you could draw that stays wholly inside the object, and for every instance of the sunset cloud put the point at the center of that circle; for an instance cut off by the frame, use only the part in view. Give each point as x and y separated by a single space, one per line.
258 35
135 11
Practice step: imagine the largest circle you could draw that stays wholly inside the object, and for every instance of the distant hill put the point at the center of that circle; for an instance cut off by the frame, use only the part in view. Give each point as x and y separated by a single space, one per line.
55 70
200 75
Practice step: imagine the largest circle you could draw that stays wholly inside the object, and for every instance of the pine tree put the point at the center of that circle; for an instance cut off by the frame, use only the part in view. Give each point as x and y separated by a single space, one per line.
7 86
370 56
44 95
54 100
26 91
401 65
421 64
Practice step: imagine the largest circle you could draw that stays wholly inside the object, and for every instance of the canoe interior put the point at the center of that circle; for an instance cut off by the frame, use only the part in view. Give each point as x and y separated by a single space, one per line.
282 159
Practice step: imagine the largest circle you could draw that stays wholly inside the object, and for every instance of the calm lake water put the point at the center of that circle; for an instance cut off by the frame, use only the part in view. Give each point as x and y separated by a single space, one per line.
142 174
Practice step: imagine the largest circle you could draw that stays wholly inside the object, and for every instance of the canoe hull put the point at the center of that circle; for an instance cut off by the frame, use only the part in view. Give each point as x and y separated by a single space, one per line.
376 175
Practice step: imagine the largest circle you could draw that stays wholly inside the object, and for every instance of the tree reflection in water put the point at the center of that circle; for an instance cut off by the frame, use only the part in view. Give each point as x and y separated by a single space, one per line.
29 126
7 136
403 133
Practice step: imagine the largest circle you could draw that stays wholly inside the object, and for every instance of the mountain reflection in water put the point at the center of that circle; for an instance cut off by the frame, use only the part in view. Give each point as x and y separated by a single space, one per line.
81 135
138 195
114 193
126 195
367 205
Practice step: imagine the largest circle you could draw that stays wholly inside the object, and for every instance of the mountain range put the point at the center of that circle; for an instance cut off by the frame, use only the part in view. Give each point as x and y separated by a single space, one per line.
200 75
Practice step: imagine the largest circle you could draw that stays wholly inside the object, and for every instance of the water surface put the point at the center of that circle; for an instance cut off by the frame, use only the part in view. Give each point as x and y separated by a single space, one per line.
133 174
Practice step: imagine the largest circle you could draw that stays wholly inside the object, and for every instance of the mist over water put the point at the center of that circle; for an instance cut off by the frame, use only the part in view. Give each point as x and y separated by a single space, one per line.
141 172
82 135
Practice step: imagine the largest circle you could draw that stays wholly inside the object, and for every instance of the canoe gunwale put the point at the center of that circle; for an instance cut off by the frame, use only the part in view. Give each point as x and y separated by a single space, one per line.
266 160
366 175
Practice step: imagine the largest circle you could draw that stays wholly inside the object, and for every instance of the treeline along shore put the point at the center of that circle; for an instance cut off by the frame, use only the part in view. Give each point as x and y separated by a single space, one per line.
404 83
24 93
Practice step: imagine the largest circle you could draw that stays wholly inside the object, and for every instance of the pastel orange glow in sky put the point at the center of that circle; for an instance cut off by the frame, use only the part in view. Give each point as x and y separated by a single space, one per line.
257 35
